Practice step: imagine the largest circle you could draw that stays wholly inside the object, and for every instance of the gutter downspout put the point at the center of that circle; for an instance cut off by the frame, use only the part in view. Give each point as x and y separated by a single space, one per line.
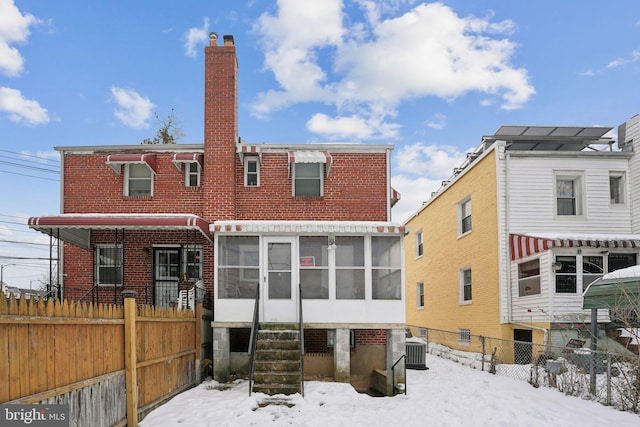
388 184
506 234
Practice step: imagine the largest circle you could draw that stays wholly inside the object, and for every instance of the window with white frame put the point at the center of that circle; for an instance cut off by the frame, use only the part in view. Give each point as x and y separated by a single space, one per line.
138 180
420 294
192 174
529 278
307 179
566 274
465 285
464 336
616 261
592 269
238 266
251 172
314 267
419 244
386 266
568 195
349 267
464 216
108 264
616 188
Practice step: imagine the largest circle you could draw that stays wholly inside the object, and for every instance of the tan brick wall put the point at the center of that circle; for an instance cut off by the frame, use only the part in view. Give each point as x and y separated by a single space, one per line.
445 254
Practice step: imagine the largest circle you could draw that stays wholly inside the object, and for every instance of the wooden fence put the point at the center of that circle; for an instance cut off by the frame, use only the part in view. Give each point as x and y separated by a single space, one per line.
111 364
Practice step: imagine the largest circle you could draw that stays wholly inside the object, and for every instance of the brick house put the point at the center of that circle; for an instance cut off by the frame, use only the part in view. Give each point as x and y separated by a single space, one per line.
308 225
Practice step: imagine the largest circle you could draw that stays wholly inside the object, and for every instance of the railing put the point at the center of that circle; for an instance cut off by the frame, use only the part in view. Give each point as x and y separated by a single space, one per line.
393 375
301 340
254 336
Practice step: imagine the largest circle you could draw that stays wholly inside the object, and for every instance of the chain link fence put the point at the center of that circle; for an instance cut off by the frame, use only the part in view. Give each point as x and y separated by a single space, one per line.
611 379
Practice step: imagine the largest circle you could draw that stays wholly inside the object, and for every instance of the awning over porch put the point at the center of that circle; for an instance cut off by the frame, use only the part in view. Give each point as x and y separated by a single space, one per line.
115 161
619 289
179 158
296 227
76 228
311 156
524 245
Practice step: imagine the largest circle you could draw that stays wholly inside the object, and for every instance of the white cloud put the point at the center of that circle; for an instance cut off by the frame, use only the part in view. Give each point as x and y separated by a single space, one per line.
352 127
22 110
14 28
437 121
132 109
635 56
195 37
435 161
414 191
318 56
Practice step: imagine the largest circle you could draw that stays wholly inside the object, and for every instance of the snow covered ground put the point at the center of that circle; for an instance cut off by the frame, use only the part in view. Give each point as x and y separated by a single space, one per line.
448 394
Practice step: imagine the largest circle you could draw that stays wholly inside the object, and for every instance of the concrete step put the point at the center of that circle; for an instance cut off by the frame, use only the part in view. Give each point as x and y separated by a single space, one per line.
264 354
278 345
273 389
276 366
265 334
276 377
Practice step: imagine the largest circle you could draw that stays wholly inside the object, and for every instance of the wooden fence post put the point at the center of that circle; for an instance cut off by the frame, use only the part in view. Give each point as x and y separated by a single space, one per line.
198 343
130 360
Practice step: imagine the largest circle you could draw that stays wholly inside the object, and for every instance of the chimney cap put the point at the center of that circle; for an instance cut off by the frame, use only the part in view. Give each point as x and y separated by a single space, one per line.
228 40
213 38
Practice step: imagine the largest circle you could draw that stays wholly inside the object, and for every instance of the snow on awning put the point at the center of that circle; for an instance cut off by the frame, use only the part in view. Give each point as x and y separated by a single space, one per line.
296 227
115 161
76 228
179 158
525 245
310 156
618 290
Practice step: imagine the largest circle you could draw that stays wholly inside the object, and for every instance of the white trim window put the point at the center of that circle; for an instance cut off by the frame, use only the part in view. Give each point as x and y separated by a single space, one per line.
108 265
566 275
308 179
616 188
420 295
251 172
464 336
419 244
138 180
314 267
386 267
569 195
529 278
465 286
464 216
238 266
192 174
350 268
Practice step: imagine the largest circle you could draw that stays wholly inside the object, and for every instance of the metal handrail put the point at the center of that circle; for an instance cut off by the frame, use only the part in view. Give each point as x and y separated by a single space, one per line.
254 336
393 374
301 340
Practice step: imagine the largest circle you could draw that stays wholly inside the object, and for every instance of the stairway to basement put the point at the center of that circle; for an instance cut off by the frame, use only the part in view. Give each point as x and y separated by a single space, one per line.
277 368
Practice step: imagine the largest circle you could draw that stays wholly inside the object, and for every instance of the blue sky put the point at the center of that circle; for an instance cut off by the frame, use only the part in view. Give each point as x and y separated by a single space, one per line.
430 77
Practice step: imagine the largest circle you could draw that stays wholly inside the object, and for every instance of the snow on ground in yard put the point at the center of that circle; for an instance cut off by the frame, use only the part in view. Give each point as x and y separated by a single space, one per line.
448 394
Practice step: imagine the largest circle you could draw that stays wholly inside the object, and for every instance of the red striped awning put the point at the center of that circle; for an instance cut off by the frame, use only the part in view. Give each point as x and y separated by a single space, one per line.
115 161
179 158
246 150
76 228
523 245
395 196
311 156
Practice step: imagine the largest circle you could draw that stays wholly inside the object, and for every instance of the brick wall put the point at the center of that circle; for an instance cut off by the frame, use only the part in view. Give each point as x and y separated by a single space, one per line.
370 337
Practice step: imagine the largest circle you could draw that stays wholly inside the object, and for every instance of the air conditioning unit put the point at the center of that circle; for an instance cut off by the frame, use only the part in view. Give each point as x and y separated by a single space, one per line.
416 355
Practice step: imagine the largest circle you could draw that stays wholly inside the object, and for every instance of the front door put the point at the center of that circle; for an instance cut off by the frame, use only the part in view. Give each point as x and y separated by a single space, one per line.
166 275
278 291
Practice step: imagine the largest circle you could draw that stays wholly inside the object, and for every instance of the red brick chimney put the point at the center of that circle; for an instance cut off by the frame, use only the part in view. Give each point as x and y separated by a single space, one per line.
220 128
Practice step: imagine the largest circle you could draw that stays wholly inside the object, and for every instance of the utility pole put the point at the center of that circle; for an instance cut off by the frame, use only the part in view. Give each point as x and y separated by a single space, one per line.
2 266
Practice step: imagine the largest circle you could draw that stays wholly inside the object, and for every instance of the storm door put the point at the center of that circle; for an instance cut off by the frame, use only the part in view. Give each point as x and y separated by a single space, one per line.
278 292
166 275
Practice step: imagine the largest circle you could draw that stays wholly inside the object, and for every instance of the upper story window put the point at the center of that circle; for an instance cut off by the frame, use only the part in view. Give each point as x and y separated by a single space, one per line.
616 188
569 195
251 172
529 278
108 264
465 285
308 179
138 180
192 174
464 216
419 244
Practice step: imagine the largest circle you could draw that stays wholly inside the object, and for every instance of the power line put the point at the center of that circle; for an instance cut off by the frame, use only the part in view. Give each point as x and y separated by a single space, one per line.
38 168
47 159
30 176
23 243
